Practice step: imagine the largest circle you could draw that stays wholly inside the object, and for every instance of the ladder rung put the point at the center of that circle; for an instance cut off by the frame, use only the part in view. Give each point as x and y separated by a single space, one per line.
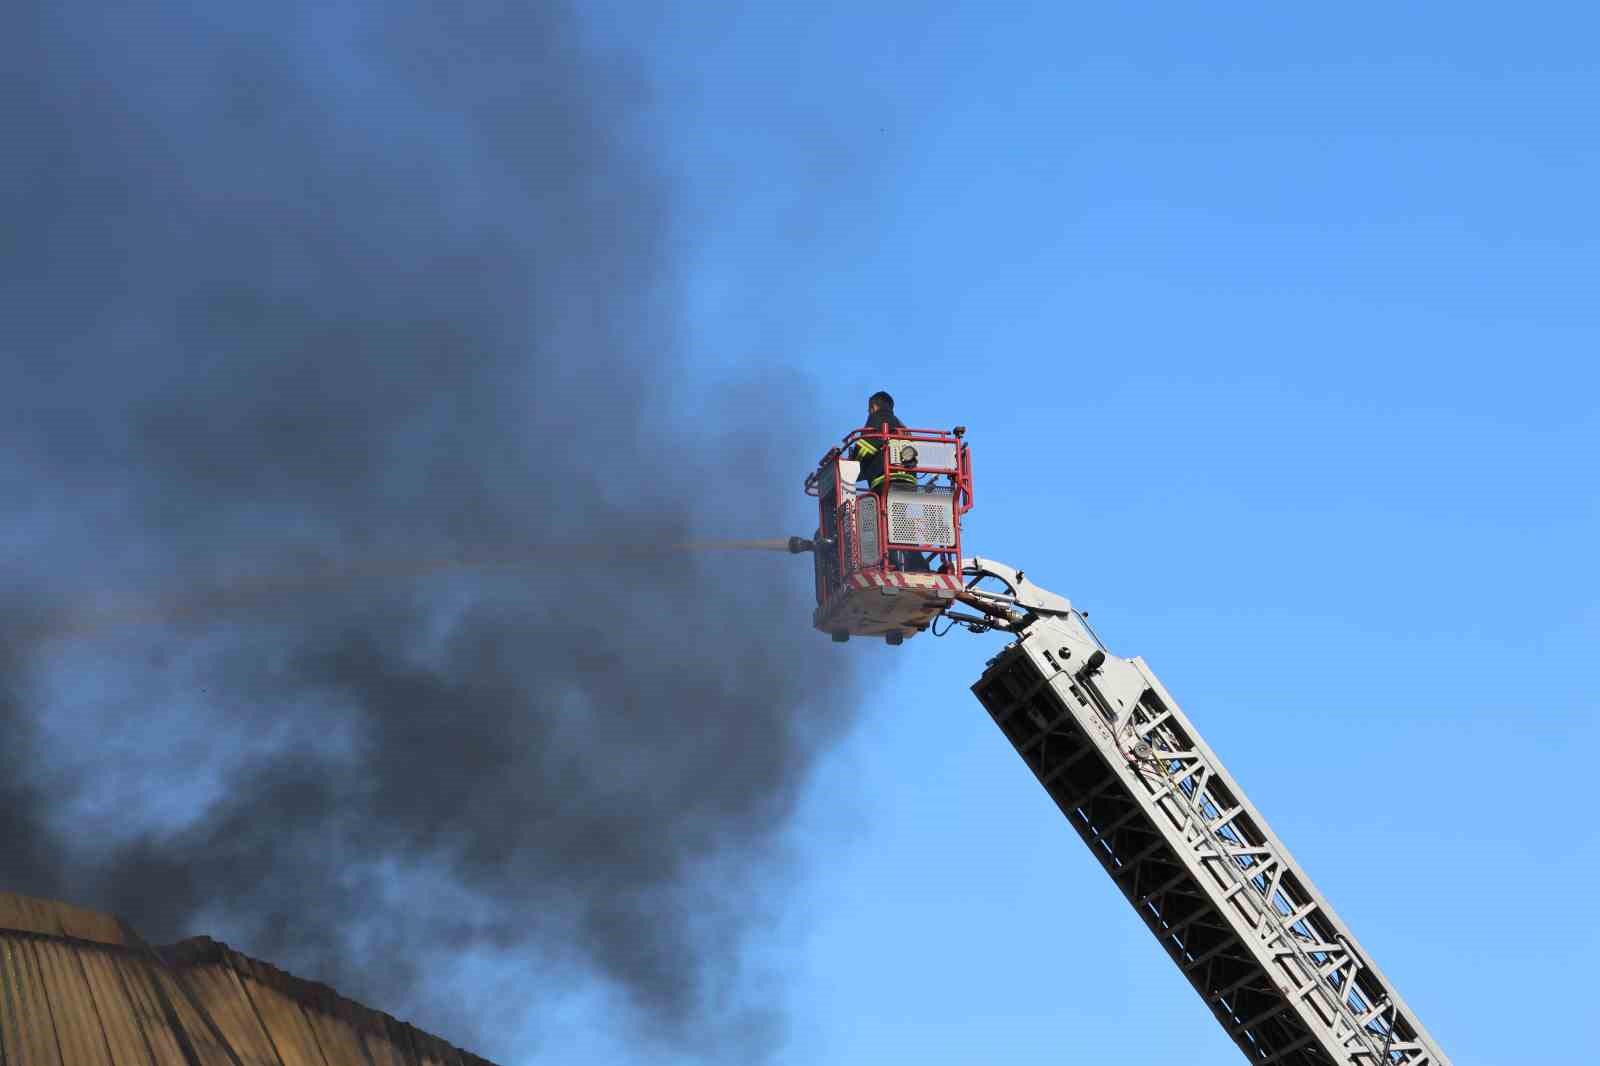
1133 861
1181 875
1271 1012
1200 960
1289 1049
1062 767
1235 986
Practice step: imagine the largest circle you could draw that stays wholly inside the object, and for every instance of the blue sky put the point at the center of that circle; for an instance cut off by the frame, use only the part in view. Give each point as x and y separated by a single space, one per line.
1276 336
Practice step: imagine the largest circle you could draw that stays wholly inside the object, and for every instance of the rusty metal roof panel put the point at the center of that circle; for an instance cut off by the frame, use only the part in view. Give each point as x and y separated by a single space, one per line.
218 1025
27 1033
74 1013
124 1029
80 989
28 915
147 1021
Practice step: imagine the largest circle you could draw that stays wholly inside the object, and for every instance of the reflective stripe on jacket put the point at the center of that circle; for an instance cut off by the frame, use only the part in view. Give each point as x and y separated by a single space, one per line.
870 452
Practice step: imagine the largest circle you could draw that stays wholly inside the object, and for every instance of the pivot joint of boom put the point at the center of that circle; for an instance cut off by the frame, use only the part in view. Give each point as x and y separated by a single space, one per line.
1021 603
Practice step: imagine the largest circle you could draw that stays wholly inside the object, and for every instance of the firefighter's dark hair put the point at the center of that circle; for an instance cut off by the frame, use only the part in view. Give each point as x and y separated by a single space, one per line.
881 399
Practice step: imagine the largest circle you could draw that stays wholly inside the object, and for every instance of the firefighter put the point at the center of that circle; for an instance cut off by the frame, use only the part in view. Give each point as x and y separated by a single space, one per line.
880 414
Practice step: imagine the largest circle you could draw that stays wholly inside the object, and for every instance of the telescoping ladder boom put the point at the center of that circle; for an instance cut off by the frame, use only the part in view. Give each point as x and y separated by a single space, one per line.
1278 968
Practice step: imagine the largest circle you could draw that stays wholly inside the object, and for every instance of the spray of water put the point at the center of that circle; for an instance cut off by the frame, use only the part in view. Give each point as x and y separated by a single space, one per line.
198 602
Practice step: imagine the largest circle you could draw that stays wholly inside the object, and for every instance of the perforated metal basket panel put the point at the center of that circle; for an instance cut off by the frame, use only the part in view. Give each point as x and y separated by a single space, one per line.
922 516
867 512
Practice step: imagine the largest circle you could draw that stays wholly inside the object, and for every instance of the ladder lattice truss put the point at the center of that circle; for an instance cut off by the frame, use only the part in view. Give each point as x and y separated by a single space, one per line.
1279 970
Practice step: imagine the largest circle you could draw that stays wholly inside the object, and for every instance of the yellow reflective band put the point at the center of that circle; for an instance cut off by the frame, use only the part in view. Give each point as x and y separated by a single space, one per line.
866 448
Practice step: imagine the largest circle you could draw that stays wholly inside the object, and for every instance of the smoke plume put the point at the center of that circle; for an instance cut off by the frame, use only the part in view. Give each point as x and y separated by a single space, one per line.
291 288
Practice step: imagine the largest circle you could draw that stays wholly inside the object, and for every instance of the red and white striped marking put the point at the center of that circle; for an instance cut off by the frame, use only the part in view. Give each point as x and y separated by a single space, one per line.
867 579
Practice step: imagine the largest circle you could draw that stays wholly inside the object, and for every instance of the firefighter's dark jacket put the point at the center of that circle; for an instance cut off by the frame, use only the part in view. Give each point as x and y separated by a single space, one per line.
870 452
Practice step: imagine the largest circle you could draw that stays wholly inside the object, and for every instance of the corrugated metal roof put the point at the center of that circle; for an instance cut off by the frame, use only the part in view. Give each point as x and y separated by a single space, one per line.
79 988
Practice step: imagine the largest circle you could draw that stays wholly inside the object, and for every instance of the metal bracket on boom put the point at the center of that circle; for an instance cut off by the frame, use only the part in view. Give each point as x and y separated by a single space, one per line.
1021 603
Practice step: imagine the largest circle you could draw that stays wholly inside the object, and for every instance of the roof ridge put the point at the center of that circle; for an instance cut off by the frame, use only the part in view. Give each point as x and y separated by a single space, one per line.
317 995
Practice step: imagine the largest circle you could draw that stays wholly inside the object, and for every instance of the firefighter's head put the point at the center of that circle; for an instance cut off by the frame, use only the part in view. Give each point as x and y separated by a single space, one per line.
880 402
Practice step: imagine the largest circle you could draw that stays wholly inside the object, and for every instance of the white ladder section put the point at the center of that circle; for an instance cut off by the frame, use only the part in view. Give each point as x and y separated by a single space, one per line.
1280 971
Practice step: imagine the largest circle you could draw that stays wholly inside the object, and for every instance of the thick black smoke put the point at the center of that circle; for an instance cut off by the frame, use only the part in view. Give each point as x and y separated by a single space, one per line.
296 286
